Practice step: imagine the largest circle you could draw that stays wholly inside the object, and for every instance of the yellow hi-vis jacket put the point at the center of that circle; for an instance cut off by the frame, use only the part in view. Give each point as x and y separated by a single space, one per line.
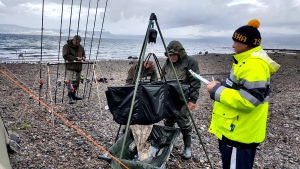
241 102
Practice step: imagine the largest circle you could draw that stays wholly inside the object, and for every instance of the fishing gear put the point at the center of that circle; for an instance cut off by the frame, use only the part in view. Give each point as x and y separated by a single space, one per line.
42 29
81 79
58 82
61 19
153 32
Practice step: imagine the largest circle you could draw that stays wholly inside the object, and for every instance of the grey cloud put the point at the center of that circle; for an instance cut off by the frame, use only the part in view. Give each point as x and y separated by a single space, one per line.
210 15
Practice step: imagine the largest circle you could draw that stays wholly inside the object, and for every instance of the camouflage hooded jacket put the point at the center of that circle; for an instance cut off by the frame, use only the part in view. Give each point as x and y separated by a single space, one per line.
147 75
182 66
70 53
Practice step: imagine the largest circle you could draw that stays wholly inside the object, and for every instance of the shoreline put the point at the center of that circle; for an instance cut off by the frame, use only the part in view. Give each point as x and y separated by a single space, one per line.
282 52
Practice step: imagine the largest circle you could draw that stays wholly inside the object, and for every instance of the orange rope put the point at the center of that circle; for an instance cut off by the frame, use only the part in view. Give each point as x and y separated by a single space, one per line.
65 120
38 116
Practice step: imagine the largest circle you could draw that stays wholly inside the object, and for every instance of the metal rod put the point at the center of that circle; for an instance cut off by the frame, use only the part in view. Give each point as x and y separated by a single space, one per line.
50 89
92 46
181 91
79 17
70 22
59 42
87 21
141 58
42 29
88 67
101 29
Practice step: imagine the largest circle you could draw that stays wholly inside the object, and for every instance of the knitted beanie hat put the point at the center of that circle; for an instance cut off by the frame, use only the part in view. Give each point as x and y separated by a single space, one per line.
248 34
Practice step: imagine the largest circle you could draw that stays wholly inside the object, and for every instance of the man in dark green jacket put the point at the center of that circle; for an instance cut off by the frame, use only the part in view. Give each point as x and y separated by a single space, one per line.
148 72
73 53
182 63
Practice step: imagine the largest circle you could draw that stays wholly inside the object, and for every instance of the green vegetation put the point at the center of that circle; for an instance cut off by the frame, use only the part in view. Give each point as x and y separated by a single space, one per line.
24 126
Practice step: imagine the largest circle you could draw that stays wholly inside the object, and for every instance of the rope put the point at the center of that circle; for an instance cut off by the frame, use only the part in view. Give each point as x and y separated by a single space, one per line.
101 29
17 77
64 120
29 110
38 116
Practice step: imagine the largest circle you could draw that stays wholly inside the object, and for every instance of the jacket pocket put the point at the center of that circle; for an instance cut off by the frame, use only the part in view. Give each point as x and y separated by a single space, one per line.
228 124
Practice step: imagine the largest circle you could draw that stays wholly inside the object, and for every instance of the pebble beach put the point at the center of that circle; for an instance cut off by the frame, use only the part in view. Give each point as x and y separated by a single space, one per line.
58 140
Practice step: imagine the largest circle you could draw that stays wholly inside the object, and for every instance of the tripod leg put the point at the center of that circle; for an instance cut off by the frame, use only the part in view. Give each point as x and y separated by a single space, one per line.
117 136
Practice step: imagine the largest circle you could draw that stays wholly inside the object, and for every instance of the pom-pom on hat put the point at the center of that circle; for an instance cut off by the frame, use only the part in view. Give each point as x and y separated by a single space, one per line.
248 34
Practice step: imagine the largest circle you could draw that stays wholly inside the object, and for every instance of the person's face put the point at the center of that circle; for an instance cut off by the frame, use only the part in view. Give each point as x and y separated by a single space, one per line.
76 42
240 47
147 65
174 58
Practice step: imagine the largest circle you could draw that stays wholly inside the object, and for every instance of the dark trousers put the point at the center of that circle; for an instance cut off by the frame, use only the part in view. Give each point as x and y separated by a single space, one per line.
236 158
182 119
73 75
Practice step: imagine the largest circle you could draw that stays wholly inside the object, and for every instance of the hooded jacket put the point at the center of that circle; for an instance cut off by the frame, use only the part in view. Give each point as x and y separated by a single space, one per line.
241 102
147 75
70 53
182 66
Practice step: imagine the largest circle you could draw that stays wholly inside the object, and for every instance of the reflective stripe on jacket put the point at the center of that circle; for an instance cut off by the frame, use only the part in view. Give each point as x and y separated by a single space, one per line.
241 103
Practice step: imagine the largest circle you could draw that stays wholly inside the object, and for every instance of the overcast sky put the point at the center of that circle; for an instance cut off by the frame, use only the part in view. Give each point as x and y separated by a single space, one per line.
176 18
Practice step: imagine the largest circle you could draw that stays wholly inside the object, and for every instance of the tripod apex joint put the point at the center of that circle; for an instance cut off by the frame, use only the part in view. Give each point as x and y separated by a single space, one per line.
153 17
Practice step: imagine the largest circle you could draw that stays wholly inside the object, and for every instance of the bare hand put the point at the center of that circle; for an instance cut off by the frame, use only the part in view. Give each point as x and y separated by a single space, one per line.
211 85
191 105
80 58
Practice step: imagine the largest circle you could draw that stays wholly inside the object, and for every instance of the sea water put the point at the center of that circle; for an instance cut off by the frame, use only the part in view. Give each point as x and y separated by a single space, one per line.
36 48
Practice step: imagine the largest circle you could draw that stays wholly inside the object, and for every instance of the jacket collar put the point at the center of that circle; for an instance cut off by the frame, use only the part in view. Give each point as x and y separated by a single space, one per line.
240 56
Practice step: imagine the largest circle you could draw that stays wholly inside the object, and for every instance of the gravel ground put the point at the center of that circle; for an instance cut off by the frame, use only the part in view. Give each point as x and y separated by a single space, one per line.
45 146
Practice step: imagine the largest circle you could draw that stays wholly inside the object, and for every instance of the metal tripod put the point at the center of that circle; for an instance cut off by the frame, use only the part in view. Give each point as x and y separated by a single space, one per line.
153 19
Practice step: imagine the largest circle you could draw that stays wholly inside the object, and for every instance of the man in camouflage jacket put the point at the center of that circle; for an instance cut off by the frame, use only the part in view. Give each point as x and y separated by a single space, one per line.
182 63
148 73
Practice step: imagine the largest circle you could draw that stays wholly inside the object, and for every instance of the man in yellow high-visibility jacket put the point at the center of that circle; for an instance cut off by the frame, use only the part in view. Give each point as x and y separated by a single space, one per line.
240 110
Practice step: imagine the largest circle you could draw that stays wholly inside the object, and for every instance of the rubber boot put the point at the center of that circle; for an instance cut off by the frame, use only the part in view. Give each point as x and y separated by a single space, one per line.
74 93
74 97
70 93
70 96
187 139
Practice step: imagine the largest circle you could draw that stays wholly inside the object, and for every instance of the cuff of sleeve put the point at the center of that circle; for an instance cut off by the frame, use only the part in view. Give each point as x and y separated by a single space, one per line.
223 83
216 91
